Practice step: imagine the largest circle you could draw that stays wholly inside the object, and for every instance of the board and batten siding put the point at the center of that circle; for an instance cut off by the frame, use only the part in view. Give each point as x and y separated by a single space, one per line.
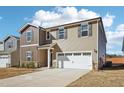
35 36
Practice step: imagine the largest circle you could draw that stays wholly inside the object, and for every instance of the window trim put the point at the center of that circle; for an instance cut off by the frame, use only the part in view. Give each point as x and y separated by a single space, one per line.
84 30
59 32
28 56
49 35
27 36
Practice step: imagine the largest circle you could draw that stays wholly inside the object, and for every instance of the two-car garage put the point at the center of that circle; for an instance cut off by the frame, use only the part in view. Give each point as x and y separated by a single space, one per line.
75 60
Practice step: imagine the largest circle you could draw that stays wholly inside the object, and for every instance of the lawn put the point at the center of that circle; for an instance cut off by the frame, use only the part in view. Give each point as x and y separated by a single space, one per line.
103 78
10 72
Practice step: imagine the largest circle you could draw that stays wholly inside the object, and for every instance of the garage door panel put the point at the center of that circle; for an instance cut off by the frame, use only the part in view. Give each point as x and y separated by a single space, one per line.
76 60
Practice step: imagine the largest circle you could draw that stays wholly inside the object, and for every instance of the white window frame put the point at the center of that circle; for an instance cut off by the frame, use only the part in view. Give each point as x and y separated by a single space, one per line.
85 29
61 33
28 36
49 35
28 56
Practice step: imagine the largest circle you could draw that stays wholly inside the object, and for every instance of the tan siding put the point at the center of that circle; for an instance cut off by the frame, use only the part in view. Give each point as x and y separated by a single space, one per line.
35 38
43 58
15 56
34 53
74 43
42 37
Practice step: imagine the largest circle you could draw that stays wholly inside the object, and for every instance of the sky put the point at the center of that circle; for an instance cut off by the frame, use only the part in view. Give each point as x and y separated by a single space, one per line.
13 18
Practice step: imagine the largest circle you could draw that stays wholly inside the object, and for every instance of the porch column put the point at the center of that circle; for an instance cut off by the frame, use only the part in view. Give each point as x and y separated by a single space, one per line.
48 58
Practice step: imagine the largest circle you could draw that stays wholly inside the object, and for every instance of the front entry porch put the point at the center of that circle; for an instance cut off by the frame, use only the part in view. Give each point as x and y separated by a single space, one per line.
46 52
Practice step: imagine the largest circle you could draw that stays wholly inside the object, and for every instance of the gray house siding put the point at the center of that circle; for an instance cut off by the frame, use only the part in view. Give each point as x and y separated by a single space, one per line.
14 51
101 45
14 41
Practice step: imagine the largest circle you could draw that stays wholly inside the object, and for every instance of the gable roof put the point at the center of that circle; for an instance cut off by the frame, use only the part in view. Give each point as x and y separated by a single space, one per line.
65 25
10 37
74 23
29 24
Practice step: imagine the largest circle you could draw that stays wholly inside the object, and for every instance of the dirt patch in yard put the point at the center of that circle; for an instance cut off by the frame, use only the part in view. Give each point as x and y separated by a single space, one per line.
103 78
10 72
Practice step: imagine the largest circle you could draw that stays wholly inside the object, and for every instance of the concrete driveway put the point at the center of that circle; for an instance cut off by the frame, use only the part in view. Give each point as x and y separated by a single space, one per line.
45 78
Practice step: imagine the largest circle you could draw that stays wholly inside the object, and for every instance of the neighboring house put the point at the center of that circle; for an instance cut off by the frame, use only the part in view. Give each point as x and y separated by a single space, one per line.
11 54
78 45
1 46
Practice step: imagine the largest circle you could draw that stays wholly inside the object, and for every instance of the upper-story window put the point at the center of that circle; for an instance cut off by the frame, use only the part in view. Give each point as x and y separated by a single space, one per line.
48 36
61 33
28 36
84 30
10 44
28 55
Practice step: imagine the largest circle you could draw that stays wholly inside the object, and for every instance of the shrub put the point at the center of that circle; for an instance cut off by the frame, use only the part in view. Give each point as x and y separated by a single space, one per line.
23 65
30 65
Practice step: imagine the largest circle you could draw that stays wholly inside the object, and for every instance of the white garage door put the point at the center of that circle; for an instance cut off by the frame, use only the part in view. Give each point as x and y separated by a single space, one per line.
76 60
4 61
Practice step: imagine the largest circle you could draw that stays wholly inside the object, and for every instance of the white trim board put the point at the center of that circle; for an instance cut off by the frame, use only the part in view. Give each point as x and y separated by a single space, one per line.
29 45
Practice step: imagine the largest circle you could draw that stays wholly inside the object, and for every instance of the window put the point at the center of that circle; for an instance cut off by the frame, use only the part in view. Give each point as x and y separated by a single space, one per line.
61 54
61 33
84 30
10 44
28 36
47 35
77 54
28 55
68 54
86 54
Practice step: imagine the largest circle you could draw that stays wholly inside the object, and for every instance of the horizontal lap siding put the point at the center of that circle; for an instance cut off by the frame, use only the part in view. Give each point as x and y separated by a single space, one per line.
74 43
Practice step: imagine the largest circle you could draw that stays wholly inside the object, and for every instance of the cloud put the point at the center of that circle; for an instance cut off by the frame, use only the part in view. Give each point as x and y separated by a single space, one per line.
62 15
115 39
108 20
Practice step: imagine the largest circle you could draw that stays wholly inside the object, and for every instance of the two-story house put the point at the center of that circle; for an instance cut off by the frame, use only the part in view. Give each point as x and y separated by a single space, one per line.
10 56
78 45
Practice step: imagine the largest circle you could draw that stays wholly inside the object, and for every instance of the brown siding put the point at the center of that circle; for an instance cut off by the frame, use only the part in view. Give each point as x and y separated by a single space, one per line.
43 57
35 37
34 53
42 37
15 56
